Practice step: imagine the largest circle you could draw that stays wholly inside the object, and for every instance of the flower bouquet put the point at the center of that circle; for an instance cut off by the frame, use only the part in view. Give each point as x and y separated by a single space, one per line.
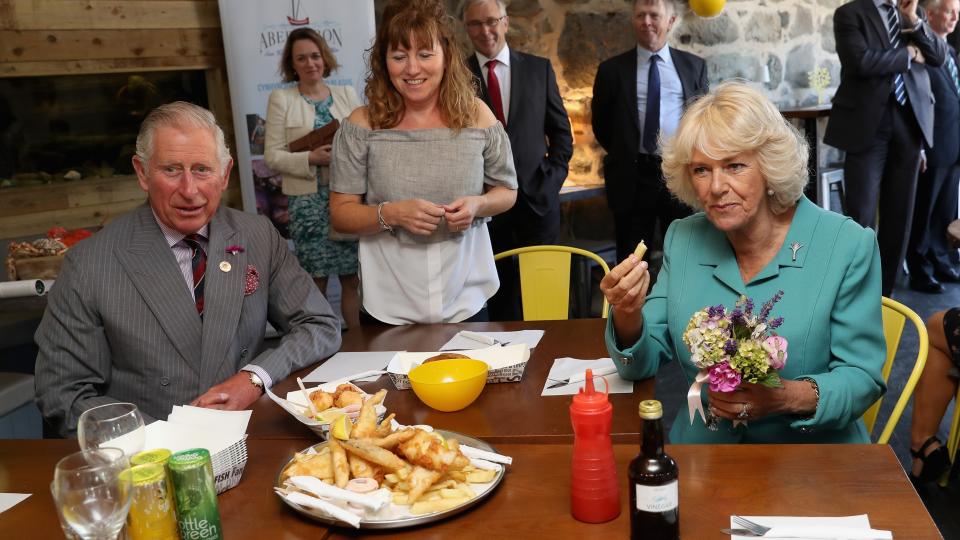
734 347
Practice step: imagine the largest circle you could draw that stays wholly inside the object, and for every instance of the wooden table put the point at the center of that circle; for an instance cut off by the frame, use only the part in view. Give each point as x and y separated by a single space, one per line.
533 500
503 412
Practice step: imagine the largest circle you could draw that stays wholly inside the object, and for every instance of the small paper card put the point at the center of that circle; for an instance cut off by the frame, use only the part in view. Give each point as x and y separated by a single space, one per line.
564 368
461 342
344 364
9 500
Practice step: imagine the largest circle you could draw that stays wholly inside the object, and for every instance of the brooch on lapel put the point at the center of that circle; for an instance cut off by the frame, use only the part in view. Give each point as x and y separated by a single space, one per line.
252 280
233 250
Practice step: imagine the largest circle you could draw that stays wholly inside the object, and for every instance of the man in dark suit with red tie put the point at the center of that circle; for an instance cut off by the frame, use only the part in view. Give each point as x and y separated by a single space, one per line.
521 90
637 96
882 113
929 258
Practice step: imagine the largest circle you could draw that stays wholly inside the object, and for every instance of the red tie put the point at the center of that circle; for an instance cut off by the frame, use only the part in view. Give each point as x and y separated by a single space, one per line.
199 264
493 87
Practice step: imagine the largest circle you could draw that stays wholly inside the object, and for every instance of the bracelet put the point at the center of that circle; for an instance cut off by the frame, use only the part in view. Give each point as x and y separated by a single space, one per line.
816 392
381 221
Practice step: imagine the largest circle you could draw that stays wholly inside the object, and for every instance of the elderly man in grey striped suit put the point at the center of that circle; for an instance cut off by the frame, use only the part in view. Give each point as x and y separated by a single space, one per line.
168 304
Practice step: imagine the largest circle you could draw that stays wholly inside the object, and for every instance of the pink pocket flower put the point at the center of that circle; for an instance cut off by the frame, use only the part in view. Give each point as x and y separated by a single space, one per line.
252 280
724 378
776 348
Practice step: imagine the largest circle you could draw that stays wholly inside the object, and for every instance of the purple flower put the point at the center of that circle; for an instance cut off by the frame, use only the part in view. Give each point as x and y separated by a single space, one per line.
737 317
730 347
768 305
233 250
748 307
715 312
775 323
724 378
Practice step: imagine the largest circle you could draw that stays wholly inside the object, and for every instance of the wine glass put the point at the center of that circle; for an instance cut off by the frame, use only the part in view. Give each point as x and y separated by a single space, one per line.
91 489
117 425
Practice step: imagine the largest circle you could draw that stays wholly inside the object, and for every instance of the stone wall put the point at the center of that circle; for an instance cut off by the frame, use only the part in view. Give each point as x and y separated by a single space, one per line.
790 37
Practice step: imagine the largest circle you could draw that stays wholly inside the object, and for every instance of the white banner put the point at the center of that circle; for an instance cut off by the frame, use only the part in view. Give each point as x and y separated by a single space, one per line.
254 33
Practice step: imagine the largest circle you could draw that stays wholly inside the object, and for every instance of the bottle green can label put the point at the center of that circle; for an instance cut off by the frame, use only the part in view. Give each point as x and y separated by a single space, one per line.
197 514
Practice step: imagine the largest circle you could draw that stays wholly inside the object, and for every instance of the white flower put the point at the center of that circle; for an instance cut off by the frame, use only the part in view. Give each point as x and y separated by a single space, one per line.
758 331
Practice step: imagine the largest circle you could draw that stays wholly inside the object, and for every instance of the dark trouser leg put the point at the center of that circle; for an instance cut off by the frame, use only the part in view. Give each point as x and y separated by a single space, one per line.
884 176
943 213
639 222
518 227
919 247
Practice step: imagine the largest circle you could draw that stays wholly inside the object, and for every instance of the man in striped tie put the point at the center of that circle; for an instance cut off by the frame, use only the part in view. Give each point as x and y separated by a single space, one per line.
929 258
169 303
882 114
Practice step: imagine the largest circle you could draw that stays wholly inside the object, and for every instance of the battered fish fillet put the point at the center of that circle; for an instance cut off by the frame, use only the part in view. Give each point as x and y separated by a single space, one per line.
427 450
366 425
393 439
321 400
341 469
361 468
420 481
375 454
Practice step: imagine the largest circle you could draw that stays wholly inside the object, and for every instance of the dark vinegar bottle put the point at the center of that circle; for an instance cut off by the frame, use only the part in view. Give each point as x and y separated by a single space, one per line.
654 485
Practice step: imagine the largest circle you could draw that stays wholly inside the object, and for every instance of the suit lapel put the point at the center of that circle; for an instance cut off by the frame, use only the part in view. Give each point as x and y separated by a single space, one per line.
879 25
629 78
684 71
516 85
474 65
153 270
223 294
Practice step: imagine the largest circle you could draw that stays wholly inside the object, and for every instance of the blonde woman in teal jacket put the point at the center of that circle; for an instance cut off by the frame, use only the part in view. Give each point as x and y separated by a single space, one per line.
735 158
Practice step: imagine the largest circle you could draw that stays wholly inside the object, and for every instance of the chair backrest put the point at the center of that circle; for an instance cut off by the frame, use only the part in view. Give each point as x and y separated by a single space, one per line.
895 316
545 280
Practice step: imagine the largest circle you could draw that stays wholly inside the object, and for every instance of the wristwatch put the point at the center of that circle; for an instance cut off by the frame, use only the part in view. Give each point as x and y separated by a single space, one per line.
256 380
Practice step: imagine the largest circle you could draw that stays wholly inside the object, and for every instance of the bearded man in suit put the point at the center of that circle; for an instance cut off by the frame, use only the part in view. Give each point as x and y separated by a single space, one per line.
882 114
168 304
637 96
523 94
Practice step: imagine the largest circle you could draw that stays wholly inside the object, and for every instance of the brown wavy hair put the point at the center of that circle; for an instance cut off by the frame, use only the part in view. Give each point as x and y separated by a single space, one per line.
286 61
411 24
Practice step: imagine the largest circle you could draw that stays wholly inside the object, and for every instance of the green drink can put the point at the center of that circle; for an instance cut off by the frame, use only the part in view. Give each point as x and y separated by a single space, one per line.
197 514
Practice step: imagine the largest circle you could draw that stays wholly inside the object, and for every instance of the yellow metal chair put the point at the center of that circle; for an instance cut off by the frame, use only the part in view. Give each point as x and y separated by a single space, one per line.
895 316
545 280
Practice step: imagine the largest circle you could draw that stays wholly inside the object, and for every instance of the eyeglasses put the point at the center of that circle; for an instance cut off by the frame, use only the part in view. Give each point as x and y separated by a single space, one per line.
490 23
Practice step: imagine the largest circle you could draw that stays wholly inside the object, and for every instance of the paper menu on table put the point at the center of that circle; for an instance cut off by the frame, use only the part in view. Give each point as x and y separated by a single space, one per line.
564 368
460 342
816 527
9 500
344 364
496 357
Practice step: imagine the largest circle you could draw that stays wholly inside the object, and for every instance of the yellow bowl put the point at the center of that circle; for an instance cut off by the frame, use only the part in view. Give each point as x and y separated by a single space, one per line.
449 385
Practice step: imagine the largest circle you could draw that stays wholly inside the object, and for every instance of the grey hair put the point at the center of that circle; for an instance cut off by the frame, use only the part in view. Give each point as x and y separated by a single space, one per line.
671 4
930 4
468 3
184 114
734 118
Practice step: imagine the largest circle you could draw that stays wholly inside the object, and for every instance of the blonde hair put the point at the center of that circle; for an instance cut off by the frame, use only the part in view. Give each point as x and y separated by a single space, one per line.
731 119
418 23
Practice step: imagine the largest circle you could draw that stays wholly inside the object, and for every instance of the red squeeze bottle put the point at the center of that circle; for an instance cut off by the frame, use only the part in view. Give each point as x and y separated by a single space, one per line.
594 491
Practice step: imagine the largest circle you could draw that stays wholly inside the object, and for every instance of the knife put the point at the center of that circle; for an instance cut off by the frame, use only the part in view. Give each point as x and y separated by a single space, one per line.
476 336
579 377
739 532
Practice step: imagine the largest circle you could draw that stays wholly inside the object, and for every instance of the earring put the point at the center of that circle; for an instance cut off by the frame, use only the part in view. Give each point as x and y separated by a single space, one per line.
770 192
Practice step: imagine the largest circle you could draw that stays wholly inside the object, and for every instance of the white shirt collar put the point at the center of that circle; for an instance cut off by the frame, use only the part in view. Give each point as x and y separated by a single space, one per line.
173 237
643 55
503 57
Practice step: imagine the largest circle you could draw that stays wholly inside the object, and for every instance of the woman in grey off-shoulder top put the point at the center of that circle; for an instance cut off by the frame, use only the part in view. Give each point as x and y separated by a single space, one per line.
419 184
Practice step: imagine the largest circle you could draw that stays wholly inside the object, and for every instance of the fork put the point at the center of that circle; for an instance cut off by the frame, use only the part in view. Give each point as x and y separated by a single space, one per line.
751 526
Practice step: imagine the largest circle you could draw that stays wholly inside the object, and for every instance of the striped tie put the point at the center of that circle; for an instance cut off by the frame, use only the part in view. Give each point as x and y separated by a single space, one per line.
952 68
199 264
893 32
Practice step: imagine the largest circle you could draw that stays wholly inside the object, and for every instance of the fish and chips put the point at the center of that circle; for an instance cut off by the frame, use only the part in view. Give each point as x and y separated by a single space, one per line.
417 468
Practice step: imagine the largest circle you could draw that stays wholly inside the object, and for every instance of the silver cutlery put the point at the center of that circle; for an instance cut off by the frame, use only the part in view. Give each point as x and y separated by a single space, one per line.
580 376
738 532
756 528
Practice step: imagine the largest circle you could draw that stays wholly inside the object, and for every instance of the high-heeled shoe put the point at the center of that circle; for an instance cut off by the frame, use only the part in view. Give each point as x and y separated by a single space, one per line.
934 463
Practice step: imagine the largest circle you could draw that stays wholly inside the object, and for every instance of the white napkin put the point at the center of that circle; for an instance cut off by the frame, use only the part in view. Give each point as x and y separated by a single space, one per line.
9 500
322 489
330 509
797 527
564 368
466 339
345 364
195 427
496 357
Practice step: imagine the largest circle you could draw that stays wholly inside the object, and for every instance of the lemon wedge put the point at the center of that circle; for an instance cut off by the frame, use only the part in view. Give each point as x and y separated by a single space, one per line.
329 415
340 428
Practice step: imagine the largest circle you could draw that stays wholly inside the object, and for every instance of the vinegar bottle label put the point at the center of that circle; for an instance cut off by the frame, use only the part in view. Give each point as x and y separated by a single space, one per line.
656 499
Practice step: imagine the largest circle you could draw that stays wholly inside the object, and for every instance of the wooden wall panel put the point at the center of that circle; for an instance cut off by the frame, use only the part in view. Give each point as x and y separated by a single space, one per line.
107 65
74 14
46 45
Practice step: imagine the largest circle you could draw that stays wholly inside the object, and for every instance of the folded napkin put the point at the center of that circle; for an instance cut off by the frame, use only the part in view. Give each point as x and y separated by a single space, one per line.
845 528
348 364
328 508
466 339
565 368
9 500
322 489
496 357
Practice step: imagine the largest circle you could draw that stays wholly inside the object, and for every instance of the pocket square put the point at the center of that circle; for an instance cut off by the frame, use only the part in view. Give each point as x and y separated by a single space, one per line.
252 281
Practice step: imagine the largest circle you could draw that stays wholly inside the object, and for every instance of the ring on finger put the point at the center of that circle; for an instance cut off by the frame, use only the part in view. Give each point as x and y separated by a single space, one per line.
745 411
